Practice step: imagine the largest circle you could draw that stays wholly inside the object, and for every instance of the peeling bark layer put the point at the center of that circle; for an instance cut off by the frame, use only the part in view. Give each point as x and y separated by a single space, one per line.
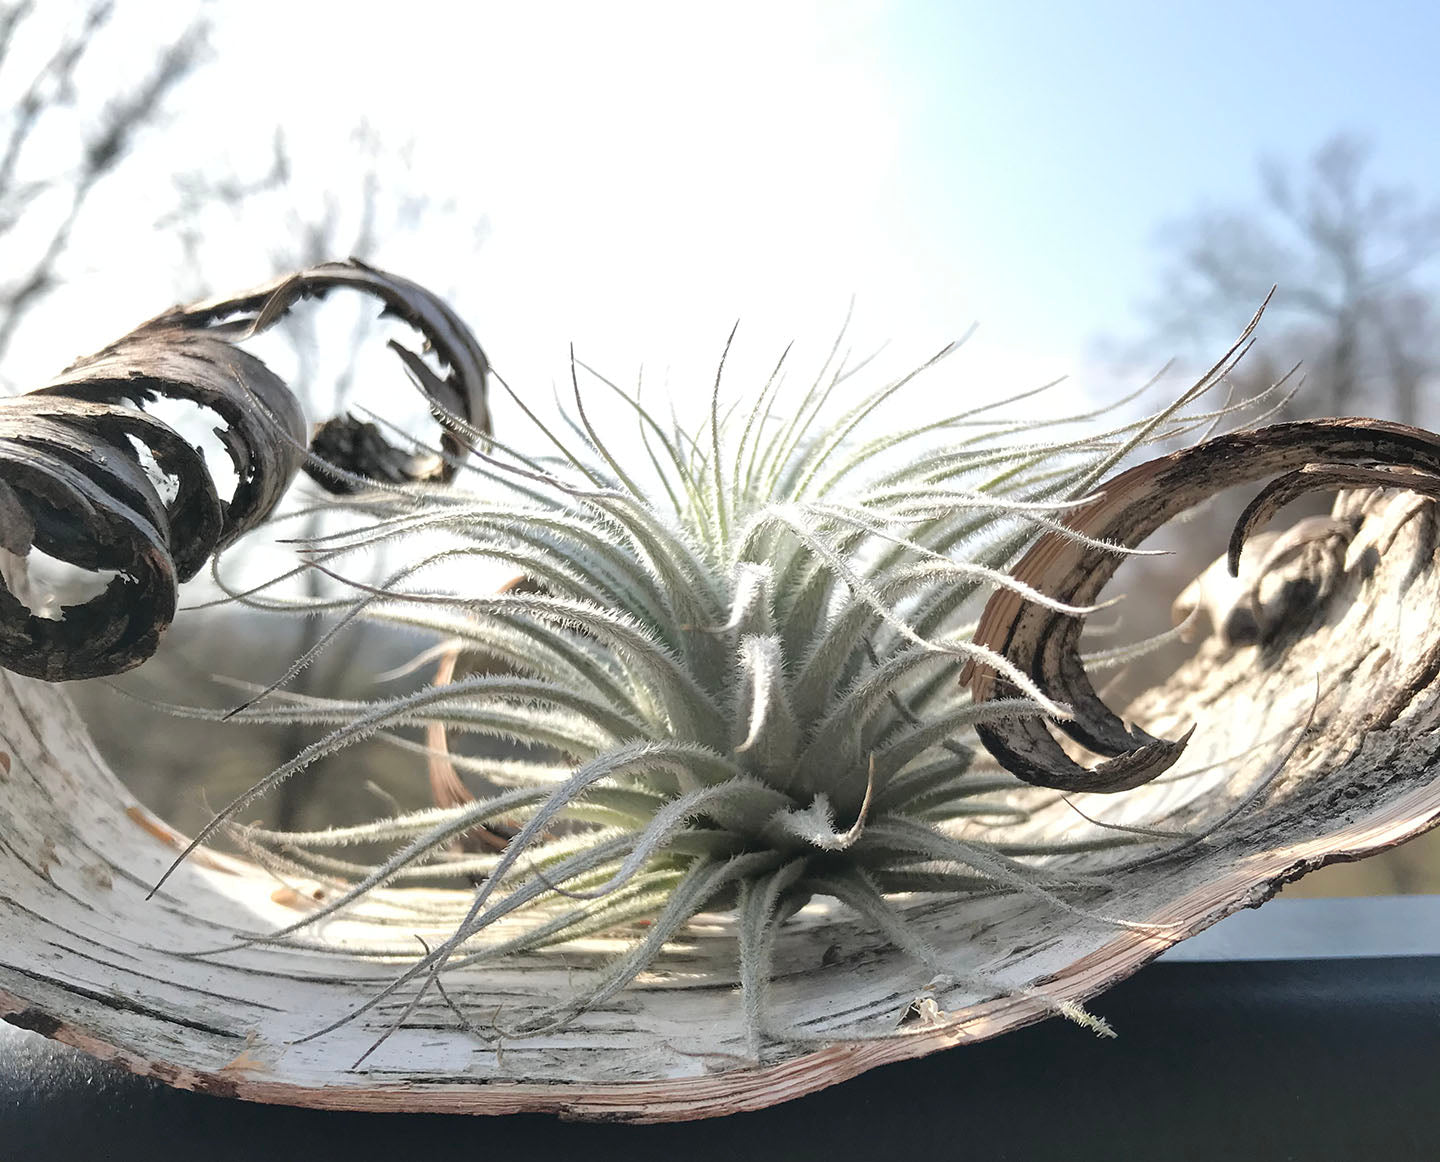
1303 456
75 482
84 958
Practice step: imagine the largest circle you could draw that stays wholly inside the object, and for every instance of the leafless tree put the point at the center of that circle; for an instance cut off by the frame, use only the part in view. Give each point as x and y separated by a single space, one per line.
365 205
66 130
61 138
1355 263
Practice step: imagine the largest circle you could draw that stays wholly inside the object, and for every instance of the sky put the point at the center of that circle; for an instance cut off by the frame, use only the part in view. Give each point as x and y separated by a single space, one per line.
635 178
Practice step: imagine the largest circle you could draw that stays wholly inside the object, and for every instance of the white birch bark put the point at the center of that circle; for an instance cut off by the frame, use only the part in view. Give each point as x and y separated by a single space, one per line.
86 958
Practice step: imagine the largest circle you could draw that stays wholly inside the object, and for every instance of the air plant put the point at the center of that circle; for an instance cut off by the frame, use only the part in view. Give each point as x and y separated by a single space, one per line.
790 670
743 695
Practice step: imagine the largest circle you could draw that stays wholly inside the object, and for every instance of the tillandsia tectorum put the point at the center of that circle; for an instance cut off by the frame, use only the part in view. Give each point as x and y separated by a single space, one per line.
744 674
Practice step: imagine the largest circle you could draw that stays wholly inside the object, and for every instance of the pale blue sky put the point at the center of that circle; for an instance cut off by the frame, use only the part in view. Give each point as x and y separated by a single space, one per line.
648 172
1052 139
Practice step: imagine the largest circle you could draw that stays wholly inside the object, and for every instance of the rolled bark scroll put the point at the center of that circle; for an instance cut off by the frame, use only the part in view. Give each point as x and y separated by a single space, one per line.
1304 456
75 484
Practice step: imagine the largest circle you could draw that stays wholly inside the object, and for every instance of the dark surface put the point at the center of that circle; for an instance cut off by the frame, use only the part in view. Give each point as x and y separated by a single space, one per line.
1309 1059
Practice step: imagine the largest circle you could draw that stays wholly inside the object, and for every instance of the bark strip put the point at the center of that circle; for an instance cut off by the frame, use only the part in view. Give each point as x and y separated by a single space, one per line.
75 484
1307 455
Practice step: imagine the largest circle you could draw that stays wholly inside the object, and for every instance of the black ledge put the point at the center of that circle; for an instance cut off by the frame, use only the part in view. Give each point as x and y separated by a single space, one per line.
1310 1030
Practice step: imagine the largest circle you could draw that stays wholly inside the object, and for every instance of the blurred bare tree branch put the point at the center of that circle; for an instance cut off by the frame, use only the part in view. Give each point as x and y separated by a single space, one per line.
362 208
1355 262
79 90
41 163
